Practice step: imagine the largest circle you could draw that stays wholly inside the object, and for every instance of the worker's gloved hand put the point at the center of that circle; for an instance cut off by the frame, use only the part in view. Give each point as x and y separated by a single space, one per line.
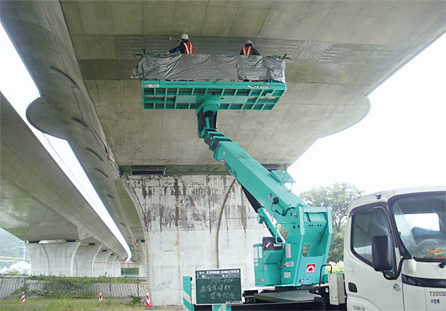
167 53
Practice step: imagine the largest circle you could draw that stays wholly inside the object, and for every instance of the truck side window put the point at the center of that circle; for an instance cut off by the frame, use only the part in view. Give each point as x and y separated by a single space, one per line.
365 226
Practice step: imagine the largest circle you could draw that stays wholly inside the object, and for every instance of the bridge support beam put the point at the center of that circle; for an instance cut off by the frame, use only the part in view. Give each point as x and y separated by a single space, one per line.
84 259
52 258
193 223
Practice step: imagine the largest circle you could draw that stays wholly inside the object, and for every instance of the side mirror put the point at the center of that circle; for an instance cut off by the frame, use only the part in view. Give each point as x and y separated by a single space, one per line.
382 253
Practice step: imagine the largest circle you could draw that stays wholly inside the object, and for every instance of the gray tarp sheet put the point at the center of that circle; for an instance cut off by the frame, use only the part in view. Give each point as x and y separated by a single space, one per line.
209 67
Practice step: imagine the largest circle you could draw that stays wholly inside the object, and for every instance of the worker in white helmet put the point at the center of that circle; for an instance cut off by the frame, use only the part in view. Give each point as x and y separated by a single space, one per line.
185 46
249 49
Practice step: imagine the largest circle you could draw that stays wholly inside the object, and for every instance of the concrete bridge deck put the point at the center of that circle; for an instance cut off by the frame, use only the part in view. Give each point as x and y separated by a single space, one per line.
81 53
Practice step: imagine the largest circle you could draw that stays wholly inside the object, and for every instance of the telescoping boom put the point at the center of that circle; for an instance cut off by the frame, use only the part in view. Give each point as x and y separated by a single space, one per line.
301 235
296 253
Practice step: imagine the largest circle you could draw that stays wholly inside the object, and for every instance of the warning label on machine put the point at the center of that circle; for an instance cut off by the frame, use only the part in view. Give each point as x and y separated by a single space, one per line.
311 268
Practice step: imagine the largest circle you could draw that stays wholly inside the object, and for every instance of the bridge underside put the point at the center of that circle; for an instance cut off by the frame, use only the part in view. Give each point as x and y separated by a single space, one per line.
81 54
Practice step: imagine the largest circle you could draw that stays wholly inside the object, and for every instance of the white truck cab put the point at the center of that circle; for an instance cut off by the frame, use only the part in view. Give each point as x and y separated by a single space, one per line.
395 251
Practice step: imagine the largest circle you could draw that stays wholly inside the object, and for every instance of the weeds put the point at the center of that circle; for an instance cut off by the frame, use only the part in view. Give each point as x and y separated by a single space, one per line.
135 301
87 280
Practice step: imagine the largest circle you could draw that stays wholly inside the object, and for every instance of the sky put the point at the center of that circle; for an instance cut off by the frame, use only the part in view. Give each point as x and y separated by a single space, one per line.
400 143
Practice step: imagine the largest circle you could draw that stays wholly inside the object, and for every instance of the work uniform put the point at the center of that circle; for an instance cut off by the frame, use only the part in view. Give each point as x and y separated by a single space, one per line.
249 50
184 48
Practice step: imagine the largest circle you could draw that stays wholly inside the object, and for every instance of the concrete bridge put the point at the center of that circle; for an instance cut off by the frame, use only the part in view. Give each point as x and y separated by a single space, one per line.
174 205
39 203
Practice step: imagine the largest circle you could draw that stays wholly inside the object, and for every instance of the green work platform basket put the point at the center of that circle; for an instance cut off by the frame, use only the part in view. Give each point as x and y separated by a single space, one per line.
233 95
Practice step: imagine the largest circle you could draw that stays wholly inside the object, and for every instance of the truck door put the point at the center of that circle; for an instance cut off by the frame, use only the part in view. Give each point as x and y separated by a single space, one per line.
366 288
421 224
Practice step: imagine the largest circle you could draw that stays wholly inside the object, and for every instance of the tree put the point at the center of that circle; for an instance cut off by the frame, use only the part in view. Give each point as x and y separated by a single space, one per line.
338 197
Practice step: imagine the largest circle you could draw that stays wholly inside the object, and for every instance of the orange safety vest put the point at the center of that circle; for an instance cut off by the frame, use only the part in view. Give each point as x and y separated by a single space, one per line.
247 50
188 49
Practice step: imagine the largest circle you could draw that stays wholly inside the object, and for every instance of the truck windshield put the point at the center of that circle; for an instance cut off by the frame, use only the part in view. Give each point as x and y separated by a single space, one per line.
421 223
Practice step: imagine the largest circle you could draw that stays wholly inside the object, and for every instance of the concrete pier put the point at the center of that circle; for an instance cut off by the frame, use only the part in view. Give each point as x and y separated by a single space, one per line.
52 258
192 223
100 263
84 259
113 267
143 262
73 259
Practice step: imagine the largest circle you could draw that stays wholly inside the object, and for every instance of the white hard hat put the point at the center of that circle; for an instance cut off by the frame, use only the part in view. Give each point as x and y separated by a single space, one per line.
249 42
185 36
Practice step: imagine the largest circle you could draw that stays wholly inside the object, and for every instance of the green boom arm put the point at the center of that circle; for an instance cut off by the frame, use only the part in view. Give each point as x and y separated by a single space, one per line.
296 253
301 234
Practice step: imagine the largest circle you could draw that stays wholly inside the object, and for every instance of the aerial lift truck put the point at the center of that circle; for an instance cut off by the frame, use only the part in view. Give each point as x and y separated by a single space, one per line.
395 241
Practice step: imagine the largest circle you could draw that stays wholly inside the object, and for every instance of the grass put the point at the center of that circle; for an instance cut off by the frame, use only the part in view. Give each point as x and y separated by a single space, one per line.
74 304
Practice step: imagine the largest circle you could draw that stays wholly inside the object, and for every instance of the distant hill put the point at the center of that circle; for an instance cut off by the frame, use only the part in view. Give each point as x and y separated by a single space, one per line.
10 246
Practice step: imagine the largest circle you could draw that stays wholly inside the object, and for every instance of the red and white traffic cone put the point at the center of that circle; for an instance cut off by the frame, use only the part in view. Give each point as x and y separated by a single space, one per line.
100 297
148 301
23 297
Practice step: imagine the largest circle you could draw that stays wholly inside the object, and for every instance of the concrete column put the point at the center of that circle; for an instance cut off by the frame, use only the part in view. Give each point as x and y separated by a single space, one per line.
109 265
116 268
84 259
39 259
113 268
100 263
143 261
192 223
142 269
52 258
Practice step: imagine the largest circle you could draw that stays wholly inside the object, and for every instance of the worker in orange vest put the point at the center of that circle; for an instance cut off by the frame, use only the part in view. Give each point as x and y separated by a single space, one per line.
185 46
249 49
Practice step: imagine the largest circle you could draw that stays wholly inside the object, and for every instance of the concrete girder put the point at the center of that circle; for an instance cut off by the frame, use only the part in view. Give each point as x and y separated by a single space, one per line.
40 34
52 258
38 201
340 50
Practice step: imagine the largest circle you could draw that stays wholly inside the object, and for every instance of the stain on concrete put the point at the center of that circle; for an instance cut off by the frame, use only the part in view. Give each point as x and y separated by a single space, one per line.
189 202
177 203
149 220
181 227
161 214
143 189
184 187
243 215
